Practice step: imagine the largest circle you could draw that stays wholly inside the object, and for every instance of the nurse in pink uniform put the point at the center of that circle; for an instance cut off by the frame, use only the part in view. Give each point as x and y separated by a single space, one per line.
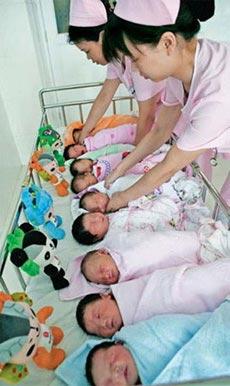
160 37
87 22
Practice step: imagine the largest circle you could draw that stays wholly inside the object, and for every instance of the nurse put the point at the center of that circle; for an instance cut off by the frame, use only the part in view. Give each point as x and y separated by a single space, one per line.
160 38
87 22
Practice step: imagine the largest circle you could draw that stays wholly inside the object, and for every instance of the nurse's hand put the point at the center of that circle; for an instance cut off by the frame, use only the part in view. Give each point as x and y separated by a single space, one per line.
113 176
82 136
117 201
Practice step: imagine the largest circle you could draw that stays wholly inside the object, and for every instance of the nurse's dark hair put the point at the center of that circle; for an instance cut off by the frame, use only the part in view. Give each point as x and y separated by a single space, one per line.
187 25
89 361
81 307
78 34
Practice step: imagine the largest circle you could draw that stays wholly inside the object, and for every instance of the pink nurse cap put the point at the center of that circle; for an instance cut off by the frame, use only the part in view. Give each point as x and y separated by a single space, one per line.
87 13
148 12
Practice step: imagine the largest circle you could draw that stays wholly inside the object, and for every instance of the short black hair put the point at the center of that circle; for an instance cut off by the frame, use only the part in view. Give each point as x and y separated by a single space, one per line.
75 179
66 152
78 34
89 360
72 184
71 168
85 195
80 234
187 25
80 310
76 161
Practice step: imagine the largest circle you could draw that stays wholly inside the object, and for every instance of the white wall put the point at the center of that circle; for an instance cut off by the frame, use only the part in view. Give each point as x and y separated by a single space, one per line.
20 79
19 108
217 27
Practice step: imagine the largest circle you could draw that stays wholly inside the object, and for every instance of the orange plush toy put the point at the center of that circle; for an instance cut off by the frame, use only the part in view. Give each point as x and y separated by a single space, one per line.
25 336
46 166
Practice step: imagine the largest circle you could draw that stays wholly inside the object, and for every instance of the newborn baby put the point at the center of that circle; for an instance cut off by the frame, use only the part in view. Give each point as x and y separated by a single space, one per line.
159 214
179 187
150 212
122 262
84 169
125 134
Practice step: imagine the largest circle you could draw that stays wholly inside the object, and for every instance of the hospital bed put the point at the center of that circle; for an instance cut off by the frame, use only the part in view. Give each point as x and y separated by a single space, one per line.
60 105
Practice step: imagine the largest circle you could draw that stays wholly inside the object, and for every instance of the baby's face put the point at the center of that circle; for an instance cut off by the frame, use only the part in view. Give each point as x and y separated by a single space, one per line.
102 317
93 50
96 202
100 268
96 223
83 166
76 150
84 181
114 366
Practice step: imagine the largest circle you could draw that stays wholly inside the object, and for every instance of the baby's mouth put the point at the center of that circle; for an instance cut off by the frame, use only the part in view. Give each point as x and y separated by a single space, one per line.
126 373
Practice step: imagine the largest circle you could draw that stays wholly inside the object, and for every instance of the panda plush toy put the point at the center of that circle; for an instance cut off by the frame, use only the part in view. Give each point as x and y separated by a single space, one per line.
33 252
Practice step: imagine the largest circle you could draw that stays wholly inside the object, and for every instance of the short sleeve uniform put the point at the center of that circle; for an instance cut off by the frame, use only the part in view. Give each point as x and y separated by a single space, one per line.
142 89
206 109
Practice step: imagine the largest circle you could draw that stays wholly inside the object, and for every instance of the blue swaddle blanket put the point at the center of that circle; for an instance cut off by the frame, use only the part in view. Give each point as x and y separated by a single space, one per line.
153 343
206 355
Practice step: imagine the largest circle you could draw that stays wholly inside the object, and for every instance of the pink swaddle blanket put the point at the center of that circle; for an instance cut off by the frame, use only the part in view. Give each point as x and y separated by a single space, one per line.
125 134
104 165
136 254
189 288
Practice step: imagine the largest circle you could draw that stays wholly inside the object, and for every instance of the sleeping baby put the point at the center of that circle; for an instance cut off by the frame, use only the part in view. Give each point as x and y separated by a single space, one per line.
142 252
161 214
124 134
88 172
179 188
148 212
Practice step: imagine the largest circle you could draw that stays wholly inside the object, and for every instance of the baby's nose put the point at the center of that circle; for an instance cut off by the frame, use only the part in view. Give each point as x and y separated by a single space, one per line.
118 370
107 323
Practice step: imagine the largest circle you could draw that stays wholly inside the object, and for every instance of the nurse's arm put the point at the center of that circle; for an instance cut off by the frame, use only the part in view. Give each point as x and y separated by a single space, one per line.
100 106
146 116
174 161
164 126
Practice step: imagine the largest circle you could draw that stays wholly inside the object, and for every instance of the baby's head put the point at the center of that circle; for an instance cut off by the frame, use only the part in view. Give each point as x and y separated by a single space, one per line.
99 267
82 182
74 151
89 228
94 201
81 166
111 363
99 314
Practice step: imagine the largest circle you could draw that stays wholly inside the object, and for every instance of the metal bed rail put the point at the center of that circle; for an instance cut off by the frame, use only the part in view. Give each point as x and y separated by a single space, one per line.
45 106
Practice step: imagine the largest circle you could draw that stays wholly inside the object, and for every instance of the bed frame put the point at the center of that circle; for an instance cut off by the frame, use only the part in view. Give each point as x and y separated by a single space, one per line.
55 109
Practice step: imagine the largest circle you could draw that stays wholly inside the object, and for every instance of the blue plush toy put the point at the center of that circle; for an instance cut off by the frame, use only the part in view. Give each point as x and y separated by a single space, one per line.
38 208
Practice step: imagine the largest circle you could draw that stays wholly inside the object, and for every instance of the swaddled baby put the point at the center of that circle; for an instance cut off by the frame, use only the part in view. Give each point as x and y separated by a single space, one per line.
88 172
146 252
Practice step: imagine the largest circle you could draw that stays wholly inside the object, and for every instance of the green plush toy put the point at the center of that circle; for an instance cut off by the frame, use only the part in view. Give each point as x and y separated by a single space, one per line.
49 139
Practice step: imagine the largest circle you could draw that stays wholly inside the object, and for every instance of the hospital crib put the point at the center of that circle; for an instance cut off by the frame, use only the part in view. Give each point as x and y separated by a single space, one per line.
60 106
59 112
